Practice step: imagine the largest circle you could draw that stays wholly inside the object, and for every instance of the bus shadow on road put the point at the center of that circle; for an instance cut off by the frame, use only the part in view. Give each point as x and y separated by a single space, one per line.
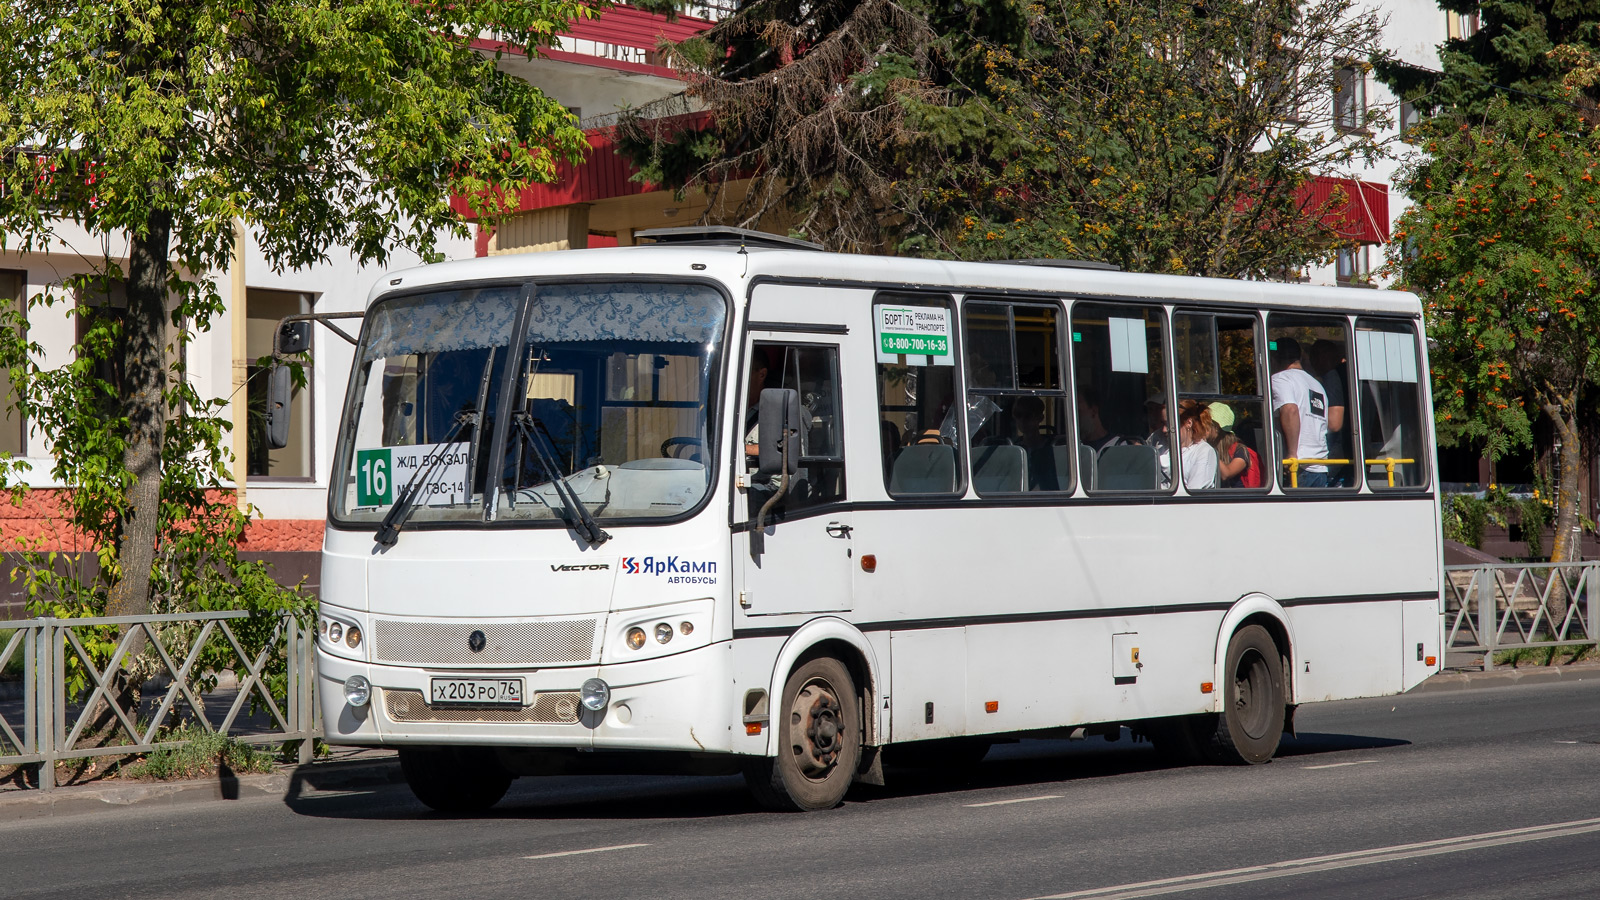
1027 762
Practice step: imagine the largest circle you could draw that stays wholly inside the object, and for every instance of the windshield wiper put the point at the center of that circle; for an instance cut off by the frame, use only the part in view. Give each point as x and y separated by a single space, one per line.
577 514
389 529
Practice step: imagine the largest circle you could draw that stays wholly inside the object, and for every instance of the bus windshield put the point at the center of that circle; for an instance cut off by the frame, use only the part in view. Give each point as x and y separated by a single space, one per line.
606 399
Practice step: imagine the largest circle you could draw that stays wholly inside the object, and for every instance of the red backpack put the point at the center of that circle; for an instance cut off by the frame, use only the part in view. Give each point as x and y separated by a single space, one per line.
1252 473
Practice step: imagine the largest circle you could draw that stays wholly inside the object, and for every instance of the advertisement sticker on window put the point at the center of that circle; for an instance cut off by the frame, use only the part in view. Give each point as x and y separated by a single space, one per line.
912 335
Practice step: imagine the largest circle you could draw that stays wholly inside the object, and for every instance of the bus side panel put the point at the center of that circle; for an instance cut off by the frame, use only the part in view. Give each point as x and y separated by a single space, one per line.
1347 650
930 684
1424 630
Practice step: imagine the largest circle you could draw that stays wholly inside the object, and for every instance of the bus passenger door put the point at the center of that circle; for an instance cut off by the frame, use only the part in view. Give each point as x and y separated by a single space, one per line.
802 560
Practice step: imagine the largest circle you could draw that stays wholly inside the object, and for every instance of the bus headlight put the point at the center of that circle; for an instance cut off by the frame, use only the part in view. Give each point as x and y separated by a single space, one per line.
335 632
635 638
357 691
594 695
663 633
352 637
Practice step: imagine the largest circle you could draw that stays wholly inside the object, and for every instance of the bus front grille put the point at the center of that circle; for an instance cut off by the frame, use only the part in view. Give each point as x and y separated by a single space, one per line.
565 641
551 708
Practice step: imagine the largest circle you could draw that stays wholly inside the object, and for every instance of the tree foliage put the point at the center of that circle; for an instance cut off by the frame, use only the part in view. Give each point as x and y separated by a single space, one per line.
1501 241
163 126
836 112
1159 136
1166 136
1502 244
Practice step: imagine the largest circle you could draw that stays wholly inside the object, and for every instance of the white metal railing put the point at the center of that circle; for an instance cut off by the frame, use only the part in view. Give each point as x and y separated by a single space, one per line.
49 722
1489 608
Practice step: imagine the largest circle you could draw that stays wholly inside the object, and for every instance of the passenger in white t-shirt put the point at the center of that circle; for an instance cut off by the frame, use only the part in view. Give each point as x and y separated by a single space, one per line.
1300 404
1196 455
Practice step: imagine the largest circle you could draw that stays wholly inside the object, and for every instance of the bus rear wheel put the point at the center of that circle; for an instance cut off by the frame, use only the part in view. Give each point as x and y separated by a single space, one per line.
455 779
1253 702
819 741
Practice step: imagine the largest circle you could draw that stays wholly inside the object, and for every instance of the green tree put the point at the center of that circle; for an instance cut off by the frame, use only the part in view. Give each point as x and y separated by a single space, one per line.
1530 69
1168 136
1501 242
167 124
1160 136
832 113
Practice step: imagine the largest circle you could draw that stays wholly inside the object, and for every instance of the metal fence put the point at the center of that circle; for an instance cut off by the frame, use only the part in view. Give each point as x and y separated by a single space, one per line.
1491 608
47 723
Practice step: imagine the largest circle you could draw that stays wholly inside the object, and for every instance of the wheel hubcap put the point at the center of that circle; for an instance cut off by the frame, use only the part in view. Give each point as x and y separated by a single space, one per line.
1250 694
816 729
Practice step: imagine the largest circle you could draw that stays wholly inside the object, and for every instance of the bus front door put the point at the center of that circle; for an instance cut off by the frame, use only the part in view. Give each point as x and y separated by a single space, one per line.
801 560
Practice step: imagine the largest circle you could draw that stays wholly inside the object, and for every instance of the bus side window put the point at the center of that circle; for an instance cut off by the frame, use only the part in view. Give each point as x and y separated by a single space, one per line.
920 427
1309 357
1217 368
1016 398
1393 434
1122 404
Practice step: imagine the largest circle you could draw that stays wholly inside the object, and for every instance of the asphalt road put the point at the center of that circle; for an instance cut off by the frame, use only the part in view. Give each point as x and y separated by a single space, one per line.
1482 793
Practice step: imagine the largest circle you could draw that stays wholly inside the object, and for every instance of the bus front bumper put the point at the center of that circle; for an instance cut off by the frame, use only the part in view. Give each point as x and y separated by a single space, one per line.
679 702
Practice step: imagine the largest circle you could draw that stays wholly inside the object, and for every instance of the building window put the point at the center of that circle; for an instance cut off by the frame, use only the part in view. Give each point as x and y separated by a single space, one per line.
1409 117
1353 266
1349 97
13 430
263 310
1460 26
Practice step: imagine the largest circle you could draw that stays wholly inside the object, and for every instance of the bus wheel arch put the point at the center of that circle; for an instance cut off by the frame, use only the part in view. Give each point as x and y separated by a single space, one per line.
838 639
1256 609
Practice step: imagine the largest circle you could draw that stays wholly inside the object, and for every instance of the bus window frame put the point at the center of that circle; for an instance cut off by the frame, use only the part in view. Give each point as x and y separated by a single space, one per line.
1280 480
1063 394
1168 388
1424 411
952 301
1256 315
716 386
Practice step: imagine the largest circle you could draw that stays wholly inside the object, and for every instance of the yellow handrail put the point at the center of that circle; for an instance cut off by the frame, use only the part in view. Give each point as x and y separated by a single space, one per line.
1388 462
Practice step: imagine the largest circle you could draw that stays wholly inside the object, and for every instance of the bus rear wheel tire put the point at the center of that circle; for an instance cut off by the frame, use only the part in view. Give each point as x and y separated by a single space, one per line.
1250 726
455 779
818 727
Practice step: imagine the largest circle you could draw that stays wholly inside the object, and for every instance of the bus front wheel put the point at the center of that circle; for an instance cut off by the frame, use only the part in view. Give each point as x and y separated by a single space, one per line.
819 741
1253 702
455 780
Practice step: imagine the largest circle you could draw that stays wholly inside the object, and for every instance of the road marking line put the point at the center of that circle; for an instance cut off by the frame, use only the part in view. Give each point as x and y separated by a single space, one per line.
1566 742
1359 762
590 850
1019 800
1308 865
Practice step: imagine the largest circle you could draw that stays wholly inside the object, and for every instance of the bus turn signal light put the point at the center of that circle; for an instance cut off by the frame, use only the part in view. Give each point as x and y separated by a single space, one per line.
752 728
990 706
1432 660
1206 687
869 562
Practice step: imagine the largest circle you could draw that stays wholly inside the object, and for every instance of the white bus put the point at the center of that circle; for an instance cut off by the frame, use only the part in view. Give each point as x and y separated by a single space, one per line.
730 503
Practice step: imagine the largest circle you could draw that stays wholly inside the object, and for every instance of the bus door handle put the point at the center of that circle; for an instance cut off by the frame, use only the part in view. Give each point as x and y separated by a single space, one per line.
839 530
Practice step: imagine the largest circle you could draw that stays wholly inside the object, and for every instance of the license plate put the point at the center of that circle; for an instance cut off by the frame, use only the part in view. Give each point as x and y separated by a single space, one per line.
477 691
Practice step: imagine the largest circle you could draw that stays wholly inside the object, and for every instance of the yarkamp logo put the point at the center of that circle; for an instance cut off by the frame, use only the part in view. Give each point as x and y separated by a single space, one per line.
676 569
593 567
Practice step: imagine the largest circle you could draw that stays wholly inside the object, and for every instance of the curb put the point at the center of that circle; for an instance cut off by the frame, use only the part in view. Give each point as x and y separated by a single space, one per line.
1466 681
290 784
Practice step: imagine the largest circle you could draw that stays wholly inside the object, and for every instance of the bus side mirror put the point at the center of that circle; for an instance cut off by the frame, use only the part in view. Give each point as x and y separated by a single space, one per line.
293 338
778 426
279 392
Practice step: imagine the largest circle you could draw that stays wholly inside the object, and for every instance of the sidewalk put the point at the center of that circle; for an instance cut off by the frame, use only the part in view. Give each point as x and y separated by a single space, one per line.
358 770
1506 675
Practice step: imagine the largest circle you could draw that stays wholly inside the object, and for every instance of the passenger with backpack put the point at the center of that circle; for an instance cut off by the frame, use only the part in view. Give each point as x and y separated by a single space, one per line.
1237 466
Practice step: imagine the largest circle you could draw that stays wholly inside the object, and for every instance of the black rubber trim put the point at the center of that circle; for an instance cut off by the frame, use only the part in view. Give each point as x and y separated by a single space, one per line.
1068 615
798 327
